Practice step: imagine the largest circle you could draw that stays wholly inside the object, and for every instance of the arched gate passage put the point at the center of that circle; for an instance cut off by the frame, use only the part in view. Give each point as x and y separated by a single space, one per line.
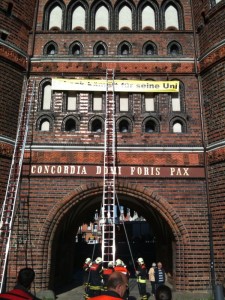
78 207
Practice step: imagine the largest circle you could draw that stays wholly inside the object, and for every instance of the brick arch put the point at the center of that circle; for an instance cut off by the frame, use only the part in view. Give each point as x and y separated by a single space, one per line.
146 195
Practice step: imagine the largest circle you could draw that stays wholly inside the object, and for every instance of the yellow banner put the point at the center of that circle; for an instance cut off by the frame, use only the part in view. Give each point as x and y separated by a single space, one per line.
62 84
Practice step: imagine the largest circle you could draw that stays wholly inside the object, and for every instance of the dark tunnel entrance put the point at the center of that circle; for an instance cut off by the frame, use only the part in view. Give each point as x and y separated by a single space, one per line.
149 236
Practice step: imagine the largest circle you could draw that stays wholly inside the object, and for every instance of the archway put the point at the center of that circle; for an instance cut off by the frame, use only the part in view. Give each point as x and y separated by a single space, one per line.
64 220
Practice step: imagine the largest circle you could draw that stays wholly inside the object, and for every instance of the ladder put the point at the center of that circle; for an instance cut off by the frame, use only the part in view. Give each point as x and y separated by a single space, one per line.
108 202
9 204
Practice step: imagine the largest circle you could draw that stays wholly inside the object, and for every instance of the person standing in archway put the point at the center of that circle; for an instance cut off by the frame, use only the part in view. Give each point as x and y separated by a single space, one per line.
95 278
160 275
142 278
151 275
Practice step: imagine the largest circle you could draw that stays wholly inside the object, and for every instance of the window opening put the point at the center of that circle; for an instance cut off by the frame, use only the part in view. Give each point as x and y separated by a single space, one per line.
150 126
176 105
124 126
46 97
97 101
100 50
71 101
70 125
51 50
76 50
78 17
96 126
124 102
177 127
55 18
102 17
45 125
149 102
125 50
174 50
171 17
125 17
148 17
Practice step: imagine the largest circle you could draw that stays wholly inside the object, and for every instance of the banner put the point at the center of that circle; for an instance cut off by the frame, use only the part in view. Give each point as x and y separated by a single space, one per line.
62 84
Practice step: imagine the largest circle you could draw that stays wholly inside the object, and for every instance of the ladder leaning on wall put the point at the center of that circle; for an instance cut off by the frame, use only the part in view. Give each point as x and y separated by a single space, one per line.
108 202
9 204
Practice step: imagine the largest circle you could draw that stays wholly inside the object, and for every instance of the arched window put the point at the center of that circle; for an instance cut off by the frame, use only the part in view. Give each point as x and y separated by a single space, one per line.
171 17
177 127
55 18
46 96
151 126
76 49
44 125
148 17
51 48
149 48
102 17
174 49
100 48
125 17
124 126
78 18
96 125
124 49
70 125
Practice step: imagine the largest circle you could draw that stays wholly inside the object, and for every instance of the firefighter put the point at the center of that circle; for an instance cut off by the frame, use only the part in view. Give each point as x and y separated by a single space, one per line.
95 278
106 272
142 278
86 269
121 267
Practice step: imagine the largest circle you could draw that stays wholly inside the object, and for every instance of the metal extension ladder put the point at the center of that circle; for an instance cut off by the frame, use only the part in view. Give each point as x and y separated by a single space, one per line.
9 204
108 203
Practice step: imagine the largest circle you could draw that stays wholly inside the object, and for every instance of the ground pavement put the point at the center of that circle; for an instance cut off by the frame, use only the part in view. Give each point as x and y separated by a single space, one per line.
76 293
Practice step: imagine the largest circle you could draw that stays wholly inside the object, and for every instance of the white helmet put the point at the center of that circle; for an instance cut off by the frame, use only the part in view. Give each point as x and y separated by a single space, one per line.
110 264
119 262
98 260
140 260
88 260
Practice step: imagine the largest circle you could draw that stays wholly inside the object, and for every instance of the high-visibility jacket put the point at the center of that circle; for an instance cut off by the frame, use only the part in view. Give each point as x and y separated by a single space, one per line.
107 295
141 273
105 275
17 294
122 270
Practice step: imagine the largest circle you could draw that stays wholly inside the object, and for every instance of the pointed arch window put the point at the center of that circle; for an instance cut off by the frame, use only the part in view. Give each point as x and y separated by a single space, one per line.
76 49
149 48
174 49
102 17
171 17
125 17
151 126
100 49
148 17
78 18
55 18
124 49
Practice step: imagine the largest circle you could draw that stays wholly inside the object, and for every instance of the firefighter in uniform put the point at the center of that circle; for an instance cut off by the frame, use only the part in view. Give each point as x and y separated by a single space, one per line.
86 270
106 272
121 267
142 278
95 278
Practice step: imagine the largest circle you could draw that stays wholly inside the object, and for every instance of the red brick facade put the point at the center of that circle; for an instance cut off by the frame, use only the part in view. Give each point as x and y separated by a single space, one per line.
178 206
